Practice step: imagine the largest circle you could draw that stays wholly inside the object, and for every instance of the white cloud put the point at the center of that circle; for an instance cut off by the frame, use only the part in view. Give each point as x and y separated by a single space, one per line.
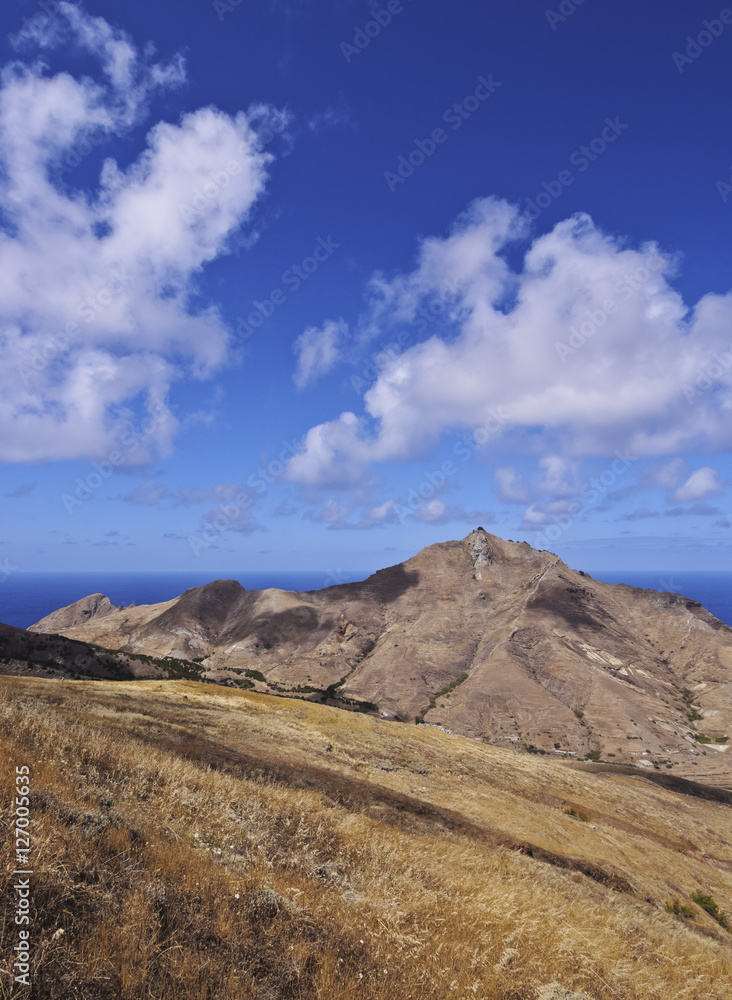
317 351
509 487
656 476
380 512
329 513
131 78
97 318
701 484
538 515
557 475
233 517
338 116
496 352
438 512
334 454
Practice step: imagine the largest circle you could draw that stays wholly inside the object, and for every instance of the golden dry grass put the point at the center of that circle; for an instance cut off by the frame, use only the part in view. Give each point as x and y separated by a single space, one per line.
196 842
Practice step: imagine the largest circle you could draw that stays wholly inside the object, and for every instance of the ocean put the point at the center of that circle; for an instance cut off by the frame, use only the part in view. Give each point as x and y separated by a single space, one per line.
712 589
25 598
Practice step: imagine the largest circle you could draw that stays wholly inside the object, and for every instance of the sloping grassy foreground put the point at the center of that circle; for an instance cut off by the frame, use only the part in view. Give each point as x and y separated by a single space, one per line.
195 842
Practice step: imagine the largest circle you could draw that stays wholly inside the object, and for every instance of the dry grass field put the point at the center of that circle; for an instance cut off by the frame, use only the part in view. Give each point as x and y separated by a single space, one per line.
199 843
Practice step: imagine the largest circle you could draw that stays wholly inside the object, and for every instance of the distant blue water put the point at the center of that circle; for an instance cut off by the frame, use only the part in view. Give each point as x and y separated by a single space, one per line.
25 598
713 590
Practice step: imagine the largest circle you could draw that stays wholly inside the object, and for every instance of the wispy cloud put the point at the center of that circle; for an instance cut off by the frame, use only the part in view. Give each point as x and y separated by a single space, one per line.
317 351
701 484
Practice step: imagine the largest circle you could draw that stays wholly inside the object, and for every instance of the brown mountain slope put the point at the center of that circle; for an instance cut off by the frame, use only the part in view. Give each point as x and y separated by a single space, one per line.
199 842
488 638
27 654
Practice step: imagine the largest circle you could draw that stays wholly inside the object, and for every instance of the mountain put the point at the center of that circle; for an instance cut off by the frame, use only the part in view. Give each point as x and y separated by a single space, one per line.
27 654
487 638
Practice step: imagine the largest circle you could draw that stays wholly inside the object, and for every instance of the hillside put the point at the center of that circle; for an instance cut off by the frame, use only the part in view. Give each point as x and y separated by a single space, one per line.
25 653
194 841
484 637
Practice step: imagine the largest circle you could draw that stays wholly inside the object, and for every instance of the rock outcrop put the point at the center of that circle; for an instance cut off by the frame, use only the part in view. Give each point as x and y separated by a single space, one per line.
78 613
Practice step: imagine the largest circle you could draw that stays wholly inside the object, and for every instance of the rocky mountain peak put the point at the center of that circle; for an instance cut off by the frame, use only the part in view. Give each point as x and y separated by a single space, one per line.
481 551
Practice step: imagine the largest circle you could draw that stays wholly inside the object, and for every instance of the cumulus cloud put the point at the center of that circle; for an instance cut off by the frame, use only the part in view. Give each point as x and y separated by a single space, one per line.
438 512
509 487
498 348
559 476
329 513
701 484
317 351
663 475
235 517
381 512
333 454
539 515
334 516
97 315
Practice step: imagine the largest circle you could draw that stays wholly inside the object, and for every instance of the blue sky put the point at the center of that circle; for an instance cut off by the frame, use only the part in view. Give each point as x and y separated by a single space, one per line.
301 285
